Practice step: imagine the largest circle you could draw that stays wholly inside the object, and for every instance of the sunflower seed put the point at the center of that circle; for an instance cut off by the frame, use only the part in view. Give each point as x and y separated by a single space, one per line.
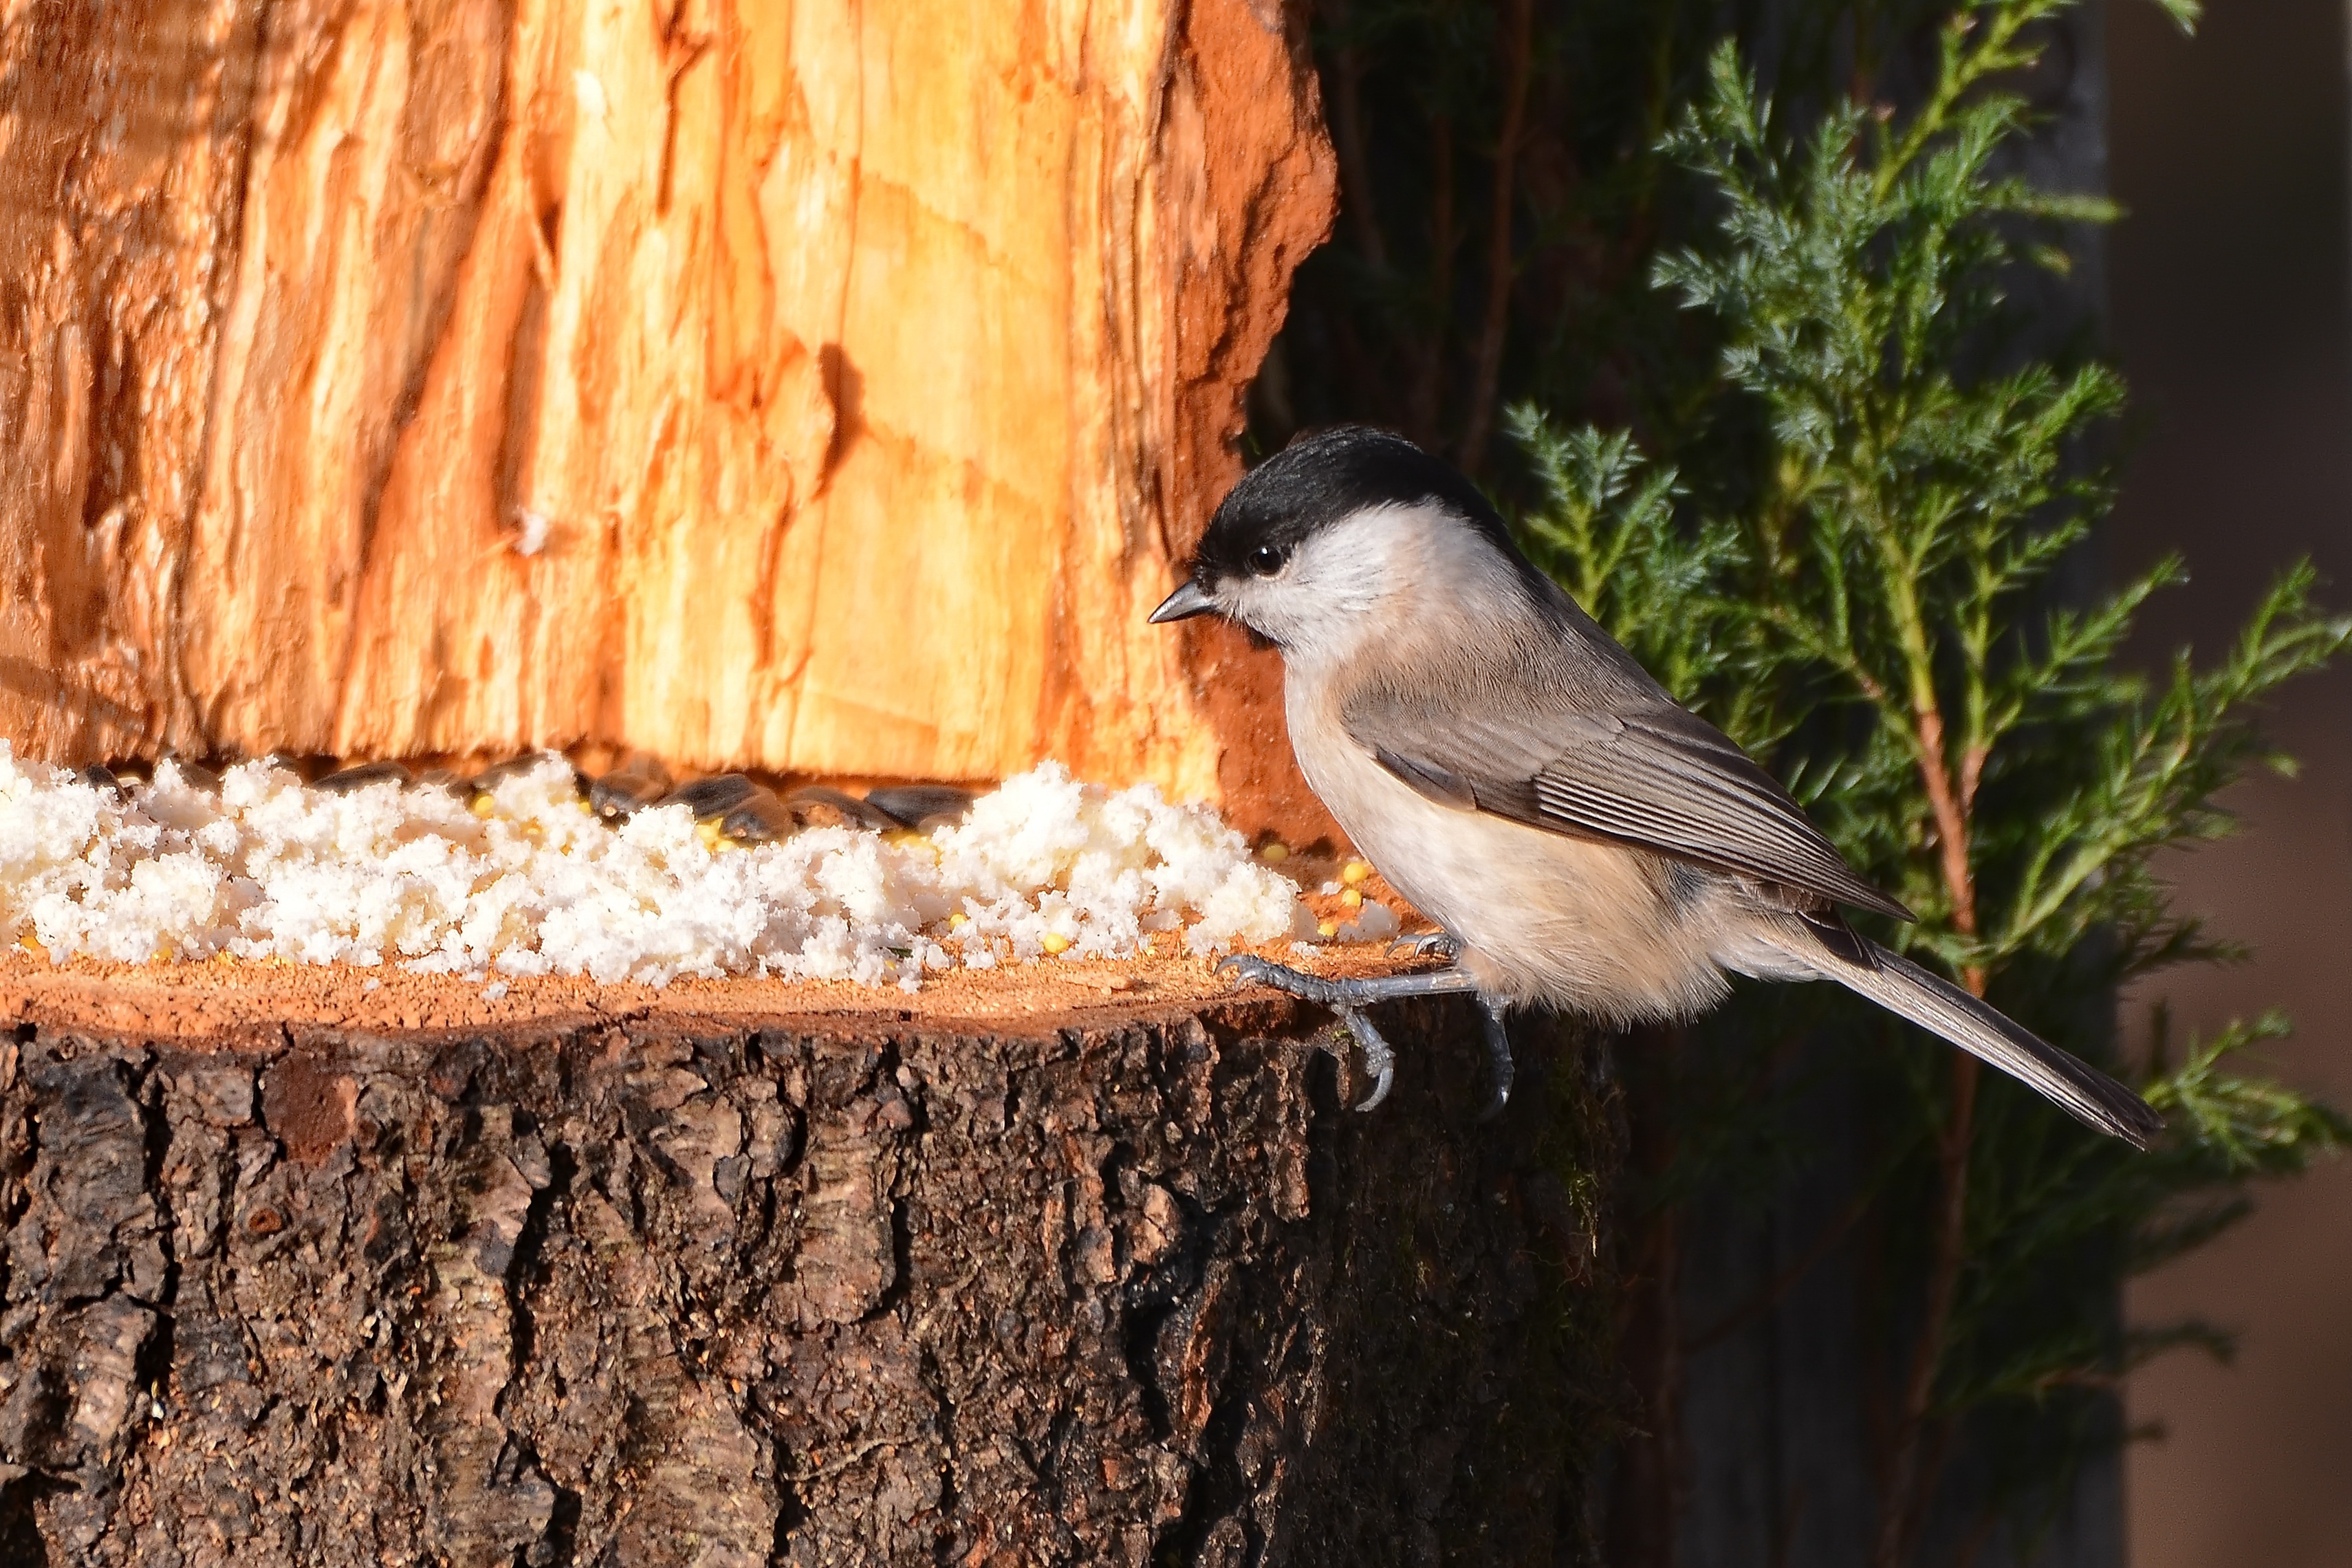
759 820
343 781
922 805
817 806
711 797
629 788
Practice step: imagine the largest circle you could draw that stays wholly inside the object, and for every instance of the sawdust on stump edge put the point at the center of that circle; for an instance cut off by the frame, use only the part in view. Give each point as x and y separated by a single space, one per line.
233 1004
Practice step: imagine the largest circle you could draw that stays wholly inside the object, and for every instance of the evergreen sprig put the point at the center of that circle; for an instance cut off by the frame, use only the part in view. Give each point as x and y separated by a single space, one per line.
1872 610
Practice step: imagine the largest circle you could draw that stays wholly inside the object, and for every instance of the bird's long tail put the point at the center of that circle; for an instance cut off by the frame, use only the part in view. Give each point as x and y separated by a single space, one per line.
2076 1087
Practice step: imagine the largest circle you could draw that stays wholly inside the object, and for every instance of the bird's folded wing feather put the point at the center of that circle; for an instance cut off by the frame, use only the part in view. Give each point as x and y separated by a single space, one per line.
1640 772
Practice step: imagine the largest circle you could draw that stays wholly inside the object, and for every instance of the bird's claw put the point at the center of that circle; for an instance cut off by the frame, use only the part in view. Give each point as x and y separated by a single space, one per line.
1428 945
1256 971
1379 1059
1349 999
1498 1056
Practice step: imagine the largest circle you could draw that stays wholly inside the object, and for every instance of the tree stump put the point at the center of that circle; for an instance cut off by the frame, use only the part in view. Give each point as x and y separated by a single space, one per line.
1010 1272
827 389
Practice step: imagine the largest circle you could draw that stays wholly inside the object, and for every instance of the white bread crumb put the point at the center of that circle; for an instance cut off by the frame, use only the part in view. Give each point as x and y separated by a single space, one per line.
389 873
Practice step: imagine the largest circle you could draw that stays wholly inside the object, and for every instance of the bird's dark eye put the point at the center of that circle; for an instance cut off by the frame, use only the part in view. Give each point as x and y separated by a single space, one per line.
1266 560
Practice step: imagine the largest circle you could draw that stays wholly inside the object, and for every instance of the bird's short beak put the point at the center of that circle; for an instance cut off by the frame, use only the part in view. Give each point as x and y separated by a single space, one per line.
1187 600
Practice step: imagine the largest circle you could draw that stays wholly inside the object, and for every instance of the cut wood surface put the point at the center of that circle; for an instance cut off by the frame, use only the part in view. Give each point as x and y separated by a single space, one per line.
826 388
302 1272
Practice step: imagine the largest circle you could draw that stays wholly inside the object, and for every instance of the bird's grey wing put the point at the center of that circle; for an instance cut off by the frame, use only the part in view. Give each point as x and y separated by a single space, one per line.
1635 770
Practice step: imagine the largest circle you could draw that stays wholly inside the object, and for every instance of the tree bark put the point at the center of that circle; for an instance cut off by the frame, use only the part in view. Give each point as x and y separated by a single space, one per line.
1131 1285
431 377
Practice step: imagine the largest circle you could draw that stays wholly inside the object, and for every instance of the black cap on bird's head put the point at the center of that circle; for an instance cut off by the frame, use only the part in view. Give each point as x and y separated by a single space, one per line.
1313 483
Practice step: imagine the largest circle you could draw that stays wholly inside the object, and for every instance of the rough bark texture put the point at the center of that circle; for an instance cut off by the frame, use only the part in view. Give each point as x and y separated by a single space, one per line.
823 388
796 1290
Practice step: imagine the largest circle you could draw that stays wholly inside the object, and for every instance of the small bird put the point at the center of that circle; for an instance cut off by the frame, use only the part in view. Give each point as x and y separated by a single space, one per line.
1583 841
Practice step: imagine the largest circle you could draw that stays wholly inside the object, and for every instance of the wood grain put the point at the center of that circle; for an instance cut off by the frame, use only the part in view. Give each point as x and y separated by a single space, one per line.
857 371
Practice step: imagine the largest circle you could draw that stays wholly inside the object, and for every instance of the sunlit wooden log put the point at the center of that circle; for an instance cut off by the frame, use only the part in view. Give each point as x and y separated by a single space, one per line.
824 388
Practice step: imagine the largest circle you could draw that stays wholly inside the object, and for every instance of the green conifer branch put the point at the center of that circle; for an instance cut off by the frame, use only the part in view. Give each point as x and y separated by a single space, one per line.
1869 611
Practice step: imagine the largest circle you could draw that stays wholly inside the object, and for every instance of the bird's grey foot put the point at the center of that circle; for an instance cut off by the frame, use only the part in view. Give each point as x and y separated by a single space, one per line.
1282 977
1498 1052
1348 998
1379 1059
1429 945
1336 993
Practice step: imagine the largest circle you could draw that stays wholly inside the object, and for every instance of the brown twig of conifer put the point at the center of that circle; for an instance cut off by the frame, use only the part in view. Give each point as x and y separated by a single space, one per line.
1518 54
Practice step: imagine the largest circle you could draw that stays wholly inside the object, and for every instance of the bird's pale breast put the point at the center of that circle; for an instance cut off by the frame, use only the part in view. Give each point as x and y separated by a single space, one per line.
1541 917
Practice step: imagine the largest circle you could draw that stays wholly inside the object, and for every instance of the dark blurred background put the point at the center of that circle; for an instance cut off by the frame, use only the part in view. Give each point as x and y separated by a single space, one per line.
2227 288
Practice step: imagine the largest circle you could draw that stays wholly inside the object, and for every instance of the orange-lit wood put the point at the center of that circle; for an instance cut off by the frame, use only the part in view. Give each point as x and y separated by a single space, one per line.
856 369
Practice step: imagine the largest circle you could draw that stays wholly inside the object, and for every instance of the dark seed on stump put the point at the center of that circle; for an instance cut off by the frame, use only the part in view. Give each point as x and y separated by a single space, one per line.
498 774
100 776
818 806
711 797
489 778
759 820
196 775
629 788
922 805
345 780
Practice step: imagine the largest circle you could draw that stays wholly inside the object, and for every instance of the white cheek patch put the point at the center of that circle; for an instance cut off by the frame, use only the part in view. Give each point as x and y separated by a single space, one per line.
1322 603
1375 574
1358 561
